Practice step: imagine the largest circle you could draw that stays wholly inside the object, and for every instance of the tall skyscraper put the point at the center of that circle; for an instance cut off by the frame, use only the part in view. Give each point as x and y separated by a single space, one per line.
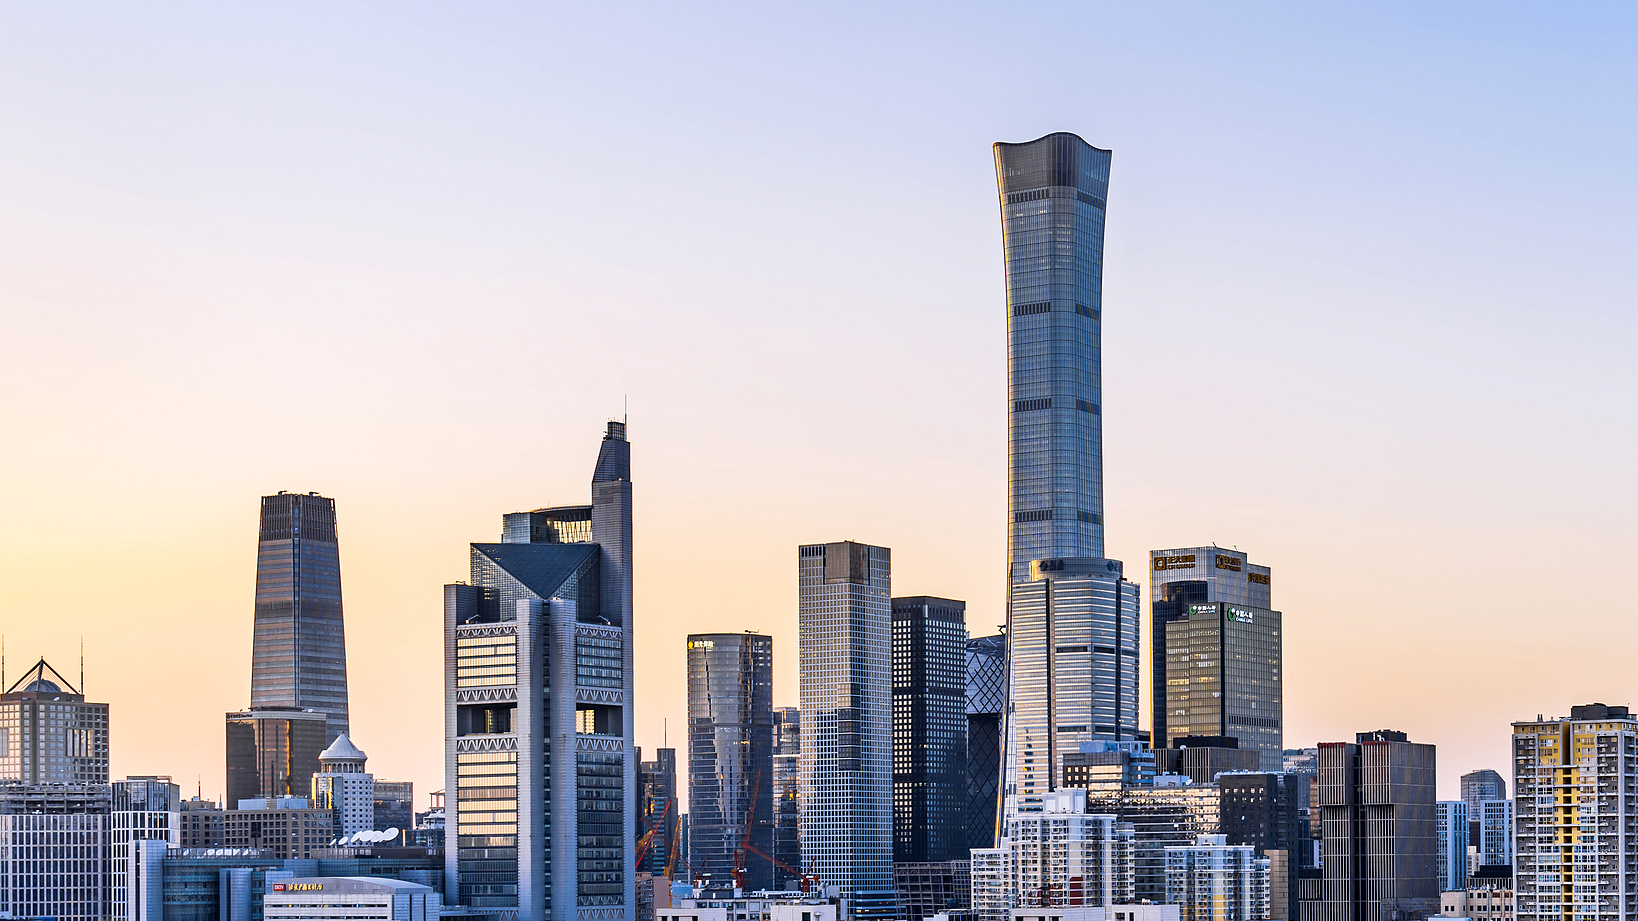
659 809
1376 803
1480 785
272 752
49 732
1452 847
844 617
1072 620
299 654
1576 816
986 698
929 729
787 761
730 758
539 757
1216 650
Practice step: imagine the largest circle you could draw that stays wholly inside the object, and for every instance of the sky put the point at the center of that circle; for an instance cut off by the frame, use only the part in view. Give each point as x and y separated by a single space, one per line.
1368 316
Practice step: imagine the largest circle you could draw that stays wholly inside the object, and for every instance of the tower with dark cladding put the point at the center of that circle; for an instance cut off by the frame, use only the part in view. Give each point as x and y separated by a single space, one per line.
1072 617
299 653
538 750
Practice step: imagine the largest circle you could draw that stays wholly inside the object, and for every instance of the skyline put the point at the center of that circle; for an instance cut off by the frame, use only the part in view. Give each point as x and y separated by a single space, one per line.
1365 333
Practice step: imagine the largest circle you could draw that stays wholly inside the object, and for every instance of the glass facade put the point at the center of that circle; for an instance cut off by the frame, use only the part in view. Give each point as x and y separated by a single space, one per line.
787 761
929 729
1161 817
730 759
658 811
272 752
1244 649
986 696
299 655
844 616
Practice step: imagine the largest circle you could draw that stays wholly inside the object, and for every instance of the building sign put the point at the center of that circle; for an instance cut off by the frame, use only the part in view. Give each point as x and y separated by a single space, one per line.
296 887
1261 578
701 644
1163 563
1239 614
1228 562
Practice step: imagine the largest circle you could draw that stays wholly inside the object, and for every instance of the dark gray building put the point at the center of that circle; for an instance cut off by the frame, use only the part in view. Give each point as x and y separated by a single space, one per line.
1480 785
1378 814
1268 811
273 752
49 732
929 729
986 696
787 761
539 762
1216 651
395 806
730 759
658 809
299 655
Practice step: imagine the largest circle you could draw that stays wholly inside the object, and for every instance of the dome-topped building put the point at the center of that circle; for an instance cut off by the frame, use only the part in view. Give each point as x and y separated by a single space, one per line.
342 786
342 757
49 732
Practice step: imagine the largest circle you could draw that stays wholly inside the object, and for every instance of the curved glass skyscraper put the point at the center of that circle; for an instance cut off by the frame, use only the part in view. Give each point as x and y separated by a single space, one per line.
1072 617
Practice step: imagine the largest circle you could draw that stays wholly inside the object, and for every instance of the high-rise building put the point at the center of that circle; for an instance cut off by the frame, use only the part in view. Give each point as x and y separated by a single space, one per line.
273 752
394 806
539 760
1481 785
730 759
140 809
787 760
1452 847
49 732
1072 620
1202 758
344 787
1576 816
1216 650
658 809
1169 812
844 618
1065 855
986 698
1376 804
1212 880
929 729
54 857
1494 820
299 655
1268 811
929 888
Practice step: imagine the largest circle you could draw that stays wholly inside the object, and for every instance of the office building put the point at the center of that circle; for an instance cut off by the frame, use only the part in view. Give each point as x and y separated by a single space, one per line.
787 761
200 823
730 759
1300 761
140 809
1216 651
1452 846
658 809
929 729
1212 880
539 761
1072 625
1098 764
1494 821
49 732
1376 804
1143 911
273 752
299 653
69 880
1481 785
929 888
986 698
1202 758
1576 816
394 805
1268 811
356 899
844 620
287 827
1065 855
345 788
1169 812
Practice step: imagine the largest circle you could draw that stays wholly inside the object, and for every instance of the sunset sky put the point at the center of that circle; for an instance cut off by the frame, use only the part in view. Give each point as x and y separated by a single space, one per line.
1369 315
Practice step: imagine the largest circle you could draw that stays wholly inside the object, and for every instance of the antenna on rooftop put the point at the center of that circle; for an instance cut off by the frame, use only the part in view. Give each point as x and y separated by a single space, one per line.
625 410
82 664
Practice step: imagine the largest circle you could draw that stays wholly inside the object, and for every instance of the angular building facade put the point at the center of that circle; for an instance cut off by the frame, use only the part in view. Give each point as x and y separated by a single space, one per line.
273 752
929 729
730 759
787 761
986 698
72 878
1072 620
1216 651
1481 785
49 732
299 654
844 620
539 762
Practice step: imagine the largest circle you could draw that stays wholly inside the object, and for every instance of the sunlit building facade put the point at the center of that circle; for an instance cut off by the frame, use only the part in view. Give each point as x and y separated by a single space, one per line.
49 732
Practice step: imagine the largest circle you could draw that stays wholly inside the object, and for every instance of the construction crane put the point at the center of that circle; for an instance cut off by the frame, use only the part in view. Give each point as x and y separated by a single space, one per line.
647 839
676 848
745 839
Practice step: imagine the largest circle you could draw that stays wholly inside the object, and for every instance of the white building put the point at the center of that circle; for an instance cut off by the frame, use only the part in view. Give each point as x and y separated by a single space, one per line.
1060 857
1577 815
343 787
141 809
1146 911
1213 880
989 881
357 898
764 907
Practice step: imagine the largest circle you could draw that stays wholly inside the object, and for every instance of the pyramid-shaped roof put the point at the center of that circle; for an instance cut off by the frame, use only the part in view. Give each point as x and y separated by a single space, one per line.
342 749
42 679
542 568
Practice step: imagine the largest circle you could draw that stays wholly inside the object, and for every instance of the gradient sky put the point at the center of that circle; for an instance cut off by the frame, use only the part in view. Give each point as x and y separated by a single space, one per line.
1369 316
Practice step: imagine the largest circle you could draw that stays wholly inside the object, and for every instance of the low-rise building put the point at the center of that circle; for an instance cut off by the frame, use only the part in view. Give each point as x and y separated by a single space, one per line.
200 823
357 899
1145 911
286 825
